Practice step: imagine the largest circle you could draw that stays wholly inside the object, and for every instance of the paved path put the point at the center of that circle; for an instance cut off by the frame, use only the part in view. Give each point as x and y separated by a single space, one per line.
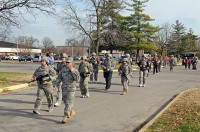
103 111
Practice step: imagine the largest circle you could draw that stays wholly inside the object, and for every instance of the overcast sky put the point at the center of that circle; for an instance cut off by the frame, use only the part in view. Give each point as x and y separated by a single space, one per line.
163 11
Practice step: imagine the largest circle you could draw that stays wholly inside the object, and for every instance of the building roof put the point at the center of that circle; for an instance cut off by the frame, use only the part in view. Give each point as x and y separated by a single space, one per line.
7 44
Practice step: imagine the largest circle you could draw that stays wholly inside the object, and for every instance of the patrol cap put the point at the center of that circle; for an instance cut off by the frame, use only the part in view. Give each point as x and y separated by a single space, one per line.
63 55
109 55
70 59
93 53
84 57
44 58
125 59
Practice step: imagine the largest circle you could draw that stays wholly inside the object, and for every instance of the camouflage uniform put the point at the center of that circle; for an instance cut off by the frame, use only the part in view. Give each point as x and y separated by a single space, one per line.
68 79
171 62
130 62
108 66
95 63
124 70
85 71
60 65
143 71
44 87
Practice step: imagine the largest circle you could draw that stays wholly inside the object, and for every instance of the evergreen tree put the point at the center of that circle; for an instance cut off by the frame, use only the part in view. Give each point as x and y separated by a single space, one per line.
139 32
111 38
178 45
190 41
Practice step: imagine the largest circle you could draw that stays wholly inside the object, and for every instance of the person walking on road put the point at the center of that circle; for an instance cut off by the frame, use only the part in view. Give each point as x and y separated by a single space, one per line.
124 71
108 66
172 63
95 63
155 62
44 75
68 76
60 65
85 70
142 71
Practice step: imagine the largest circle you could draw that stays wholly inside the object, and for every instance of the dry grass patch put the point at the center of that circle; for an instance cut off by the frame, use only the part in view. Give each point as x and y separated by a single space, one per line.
182 116
13 78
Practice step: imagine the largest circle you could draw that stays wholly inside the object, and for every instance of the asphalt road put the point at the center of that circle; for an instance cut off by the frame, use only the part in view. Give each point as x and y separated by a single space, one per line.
103 111
15 66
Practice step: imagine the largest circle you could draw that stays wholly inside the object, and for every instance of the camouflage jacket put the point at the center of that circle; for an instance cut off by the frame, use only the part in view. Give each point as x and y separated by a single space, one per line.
60 65
43 71
124 70
85 68
108 65
94 62
68 77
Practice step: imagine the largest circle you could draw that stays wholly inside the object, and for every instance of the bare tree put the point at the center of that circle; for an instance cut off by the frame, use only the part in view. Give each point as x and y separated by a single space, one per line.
26 43
164 36
89 24
5 34
48 45
11 11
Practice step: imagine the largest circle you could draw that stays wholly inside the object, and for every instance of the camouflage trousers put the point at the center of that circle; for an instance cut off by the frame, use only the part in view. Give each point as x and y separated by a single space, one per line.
142 76
84 85
125 82
94 75
68 97
48 91
59 94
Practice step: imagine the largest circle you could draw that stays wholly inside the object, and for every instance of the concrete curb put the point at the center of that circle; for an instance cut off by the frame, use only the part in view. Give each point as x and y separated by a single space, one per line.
15 87
143 129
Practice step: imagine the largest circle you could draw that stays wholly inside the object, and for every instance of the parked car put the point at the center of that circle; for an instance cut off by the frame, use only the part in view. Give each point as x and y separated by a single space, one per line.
121 59
77 58
7 57
13 57
102 58
37 58
56 57
26 58
2 57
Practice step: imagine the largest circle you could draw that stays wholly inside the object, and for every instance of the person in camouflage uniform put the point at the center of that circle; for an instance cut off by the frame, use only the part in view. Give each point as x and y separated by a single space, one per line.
44 76
130 62
95 63
108 66
124 70
143 66
171 63
60 65
85 70
68 76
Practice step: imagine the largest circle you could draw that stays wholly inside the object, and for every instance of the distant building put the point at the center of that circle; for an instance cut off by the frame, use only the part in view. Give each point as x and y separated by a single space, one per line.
7 48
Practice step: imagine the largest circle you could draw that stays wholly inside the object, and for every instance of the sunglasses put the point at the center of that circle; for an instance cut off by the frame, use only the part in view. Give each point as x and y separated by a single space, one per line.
67 62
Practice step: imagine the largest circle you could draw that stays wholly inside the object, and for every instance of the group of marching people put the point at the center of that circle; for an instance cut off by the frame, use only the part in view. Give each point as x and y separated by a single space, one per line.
187 62
67 76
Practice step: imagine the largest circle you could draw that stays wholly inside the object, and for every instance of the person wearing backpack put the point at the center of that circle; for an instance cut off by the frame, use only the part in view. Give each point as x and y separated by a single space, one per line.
143 67
85 70
155 62
124 71
108 66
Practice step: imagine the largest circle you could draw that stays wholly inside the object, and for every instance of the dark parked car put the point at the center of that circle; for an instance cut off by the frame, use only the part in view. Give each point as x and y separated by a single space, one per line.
26 58
56 57
102 58
121 59
2 57
77 58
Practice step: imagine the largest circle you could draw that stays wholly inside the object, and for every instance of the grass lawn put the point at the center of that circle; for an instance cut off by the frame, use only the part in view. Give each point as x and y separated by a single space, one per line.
182 116
13 78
